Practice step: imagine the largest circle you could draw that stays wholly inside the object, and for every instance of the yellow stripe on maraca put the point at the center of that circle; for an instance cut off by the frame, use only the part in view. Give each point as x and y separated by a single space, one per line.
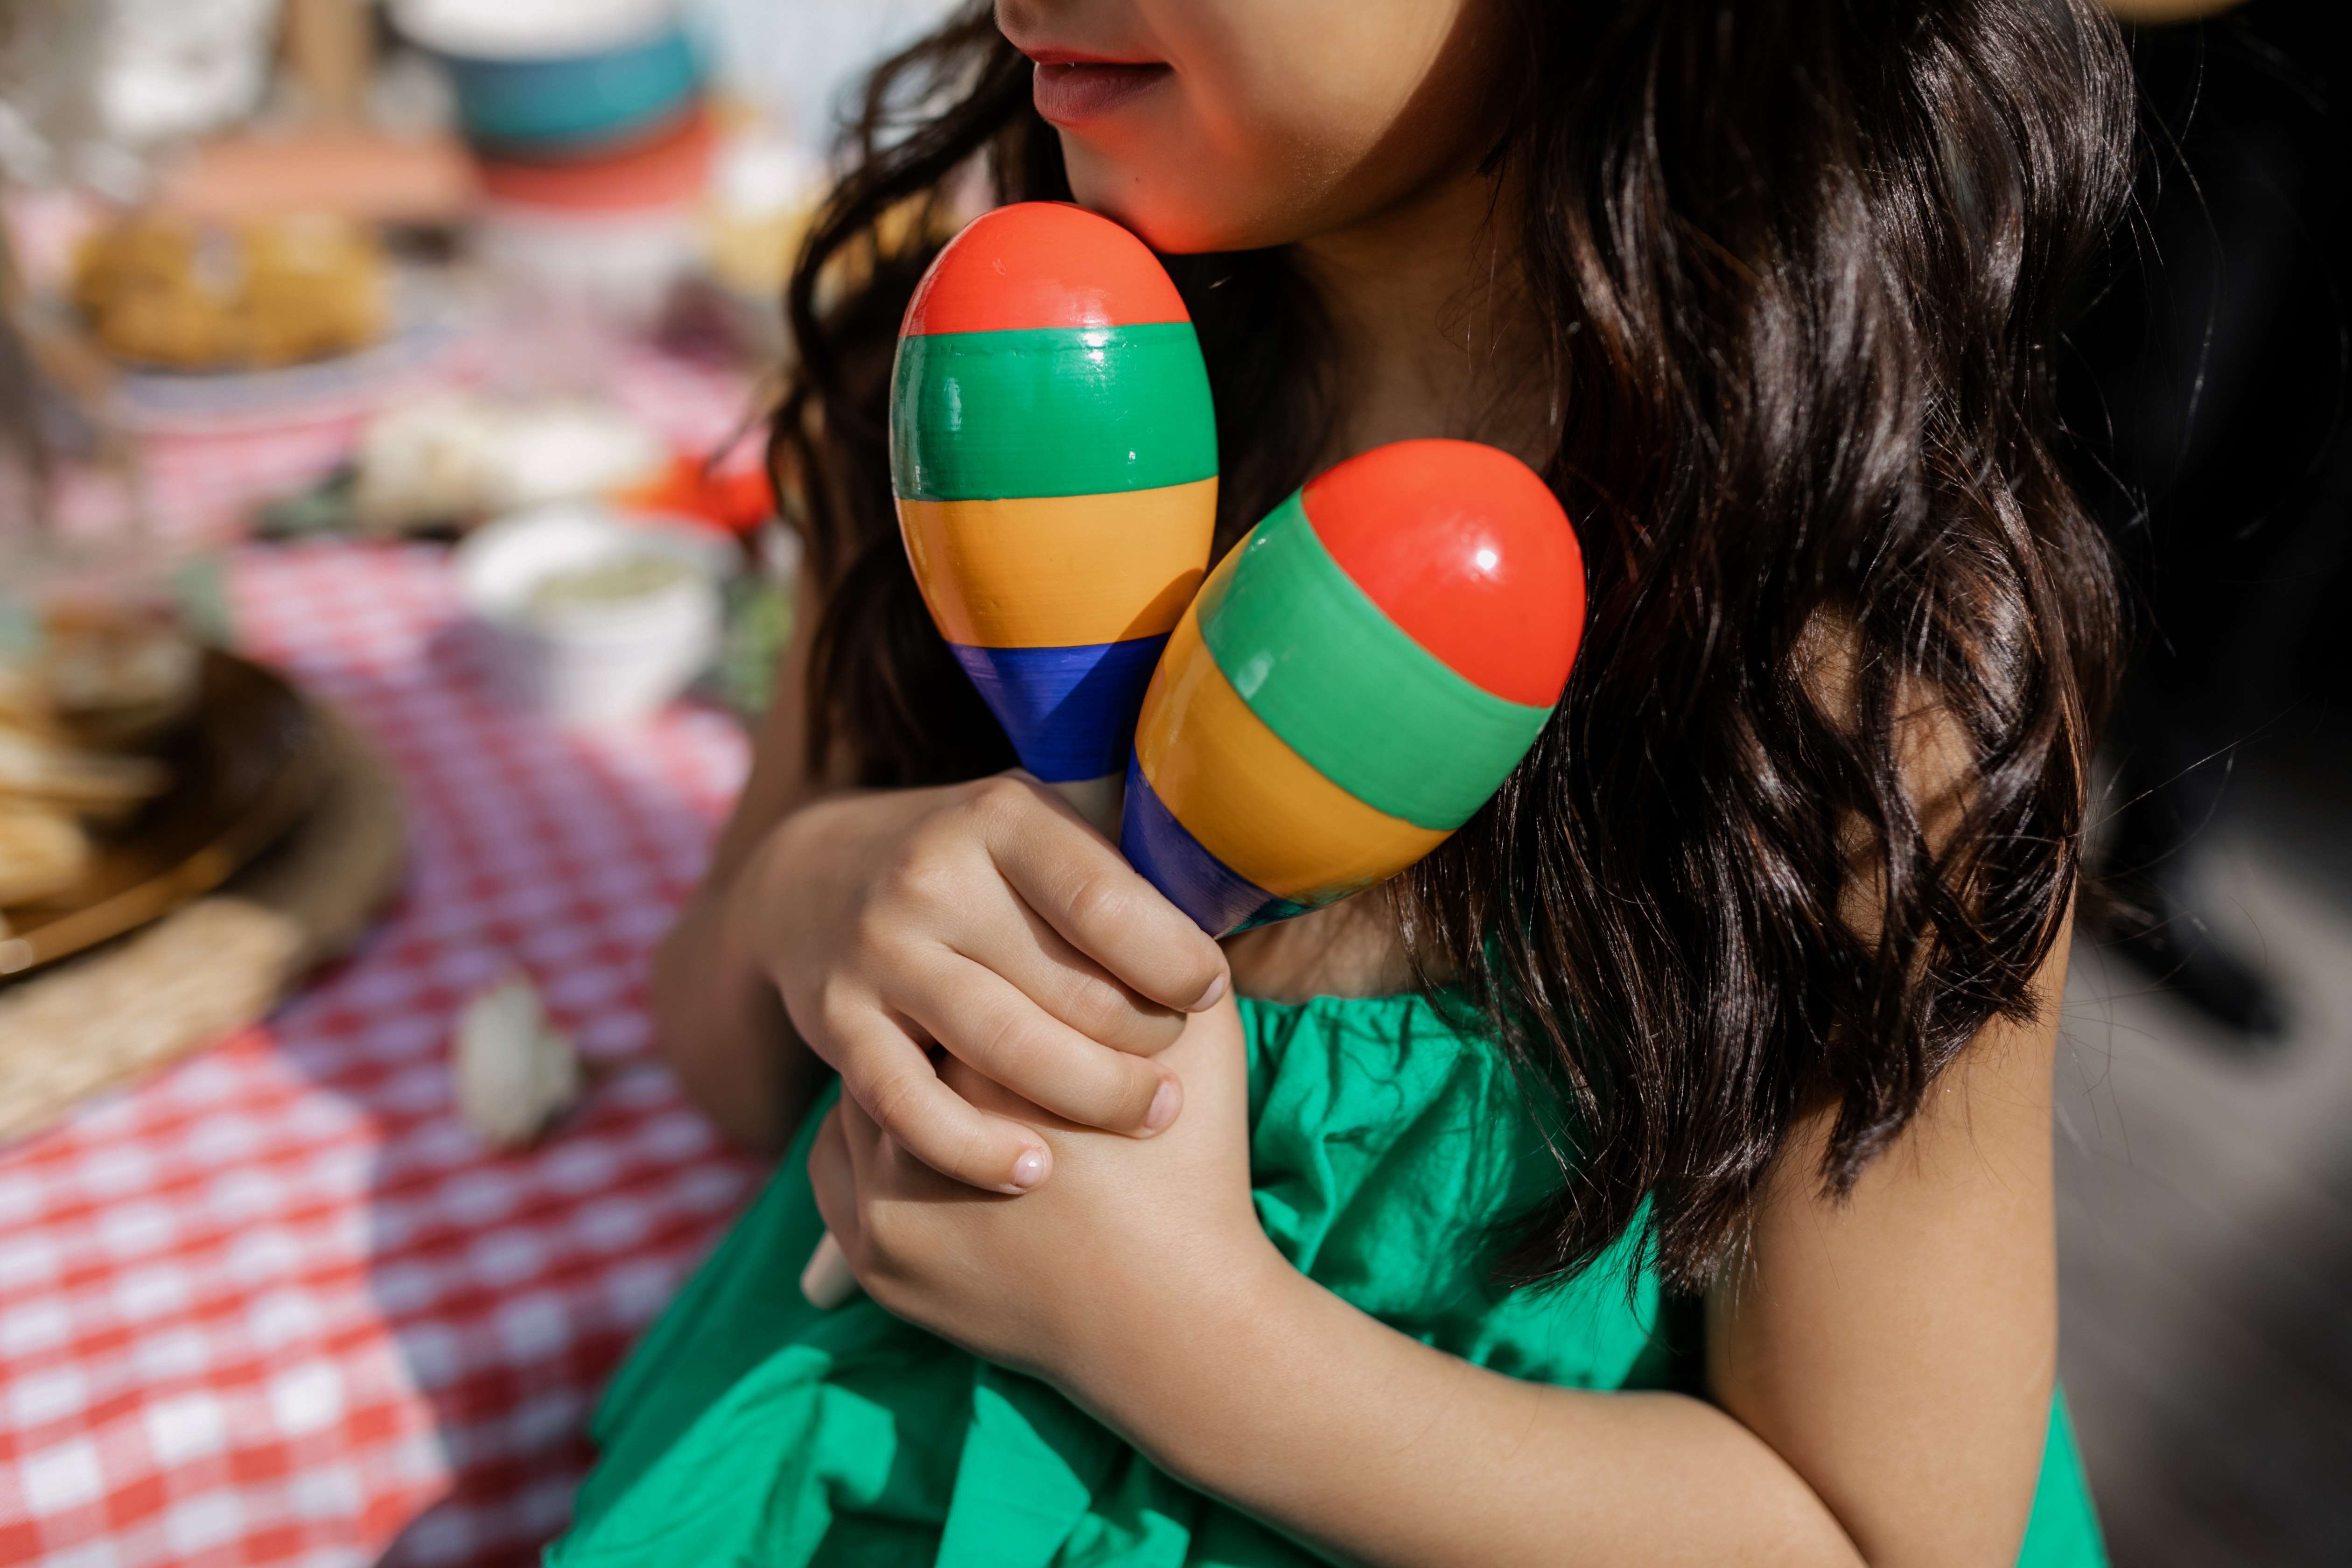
1248 798
1060 571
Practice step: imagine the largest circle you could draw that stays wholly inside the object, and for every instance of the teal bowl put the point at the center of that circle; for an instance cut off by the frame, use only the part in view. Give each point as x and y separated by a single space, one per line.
574 104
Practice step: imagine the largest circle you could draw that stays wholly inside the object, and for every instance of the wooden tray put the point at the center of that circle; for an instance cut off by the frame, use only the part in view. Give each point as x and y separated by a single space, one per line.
247 765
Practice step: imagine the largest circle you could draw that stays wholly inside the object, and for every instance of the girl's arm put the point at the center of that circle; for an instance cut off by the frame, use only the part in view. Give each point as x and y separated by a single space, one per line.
1900 1350
1881 1369
717 1015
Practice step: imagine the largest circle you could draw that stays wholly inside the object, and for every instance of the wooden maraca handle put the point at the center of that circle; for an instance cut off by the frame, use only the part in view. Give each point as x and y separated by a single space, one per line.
826 1281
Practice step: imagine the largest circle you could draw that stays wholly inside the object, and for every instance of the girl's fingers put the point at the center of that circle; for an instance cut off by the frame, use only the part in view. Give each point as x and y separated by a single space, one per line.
1023 946
891 1078
1081 887
986 1022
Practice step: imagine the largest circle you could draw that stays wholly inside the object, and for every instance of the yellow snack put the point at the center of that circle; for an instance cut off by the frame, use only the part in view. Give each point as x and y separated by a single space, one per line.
42 852
116 680
48 773
165 290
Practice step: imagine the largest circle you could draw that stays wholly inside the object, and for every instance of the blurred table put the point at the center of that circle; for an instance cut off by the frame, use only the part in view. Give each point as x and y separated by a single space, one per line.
205 478
277 1305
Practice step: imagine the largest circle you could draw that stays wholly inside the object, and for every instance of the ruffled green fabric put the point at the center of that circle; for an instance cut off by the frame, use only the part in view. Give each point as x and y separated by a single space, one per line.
1387 1150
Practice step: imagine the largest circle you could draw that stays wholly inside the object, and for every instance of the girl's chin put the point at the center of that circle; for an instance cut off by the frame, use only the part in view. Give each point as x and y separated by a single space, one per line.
1136 198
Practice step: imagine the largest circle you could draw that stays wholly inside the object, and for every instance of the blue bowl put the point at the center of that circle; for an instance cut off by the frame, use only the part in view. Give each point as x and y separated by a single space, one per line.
578 101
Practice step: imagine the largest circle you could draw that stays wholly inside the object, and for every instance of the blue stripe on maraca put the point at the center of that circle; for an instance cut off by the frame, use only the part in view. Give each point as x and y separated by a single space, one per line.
1070 711
1218 899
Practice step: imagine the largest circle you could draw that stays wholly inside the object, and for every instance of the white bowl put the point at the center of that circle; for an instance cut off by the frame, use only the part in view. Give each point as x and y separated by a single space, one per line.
599 661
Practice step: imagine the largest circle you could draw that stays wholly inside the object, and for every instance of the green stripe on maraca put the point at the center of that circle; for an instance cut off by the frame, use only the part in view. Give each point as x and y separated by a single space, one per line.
1371 709
1050 410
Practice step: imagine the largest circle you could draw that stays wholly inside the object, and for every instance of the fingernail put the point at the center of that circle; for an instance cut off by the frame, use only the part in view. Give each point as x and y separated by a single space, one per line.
1209 998
1164 1105
1029 1169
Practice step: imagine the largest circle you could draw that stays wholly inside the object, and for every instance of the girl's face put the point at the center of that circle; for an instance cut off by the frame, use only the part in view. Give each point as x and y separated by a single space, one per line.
1236 124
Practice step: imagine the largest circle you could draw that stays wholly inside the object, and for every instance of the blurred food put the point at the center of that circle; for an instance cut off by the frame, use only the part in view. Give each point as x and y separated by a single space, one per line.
605 582
43 851
116 679
162 289
464 456
24 704
58 774
584 616
240 771
516 1072
99 686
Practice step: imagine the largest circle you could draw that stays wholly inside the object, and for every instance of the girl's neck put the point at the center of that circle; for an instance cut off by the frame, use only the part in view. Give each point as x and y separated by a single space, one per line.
1430 329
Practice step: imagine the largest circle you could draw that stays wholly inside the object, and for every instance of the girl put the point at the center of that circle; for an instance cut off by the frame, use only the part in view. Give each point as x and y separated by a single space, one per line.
1660 1172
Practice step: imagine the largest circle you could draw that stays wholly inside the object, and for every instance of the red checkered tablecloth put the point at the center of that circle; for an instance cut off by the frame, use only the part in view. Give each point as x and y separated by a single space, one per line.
276 1305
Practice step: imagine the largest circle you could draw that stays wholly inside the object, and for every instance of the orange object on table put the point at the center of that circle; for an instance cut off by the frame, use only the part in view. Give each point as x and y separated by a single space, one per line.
735 495
357 174
669 167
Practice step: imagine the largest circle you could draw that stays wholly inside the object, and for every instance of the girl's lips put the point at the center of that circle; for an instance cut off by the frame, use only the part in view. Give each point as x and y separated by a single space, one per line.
1072 92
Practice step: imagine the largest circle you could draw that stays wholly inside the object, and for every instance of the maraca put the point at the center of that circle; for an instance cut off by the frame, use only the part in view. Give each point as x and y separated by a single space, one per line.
1356 678
1054 452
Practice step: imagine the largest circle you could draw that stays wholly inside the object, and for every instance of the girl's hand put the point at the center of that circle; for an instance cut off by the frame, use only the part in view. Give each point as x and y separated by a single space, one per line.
989 921
1119 1260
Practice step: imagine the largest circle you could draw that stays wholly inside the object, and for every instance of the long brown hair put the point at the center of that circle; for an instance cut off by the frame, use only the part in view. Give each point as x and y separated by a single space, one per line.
1797 266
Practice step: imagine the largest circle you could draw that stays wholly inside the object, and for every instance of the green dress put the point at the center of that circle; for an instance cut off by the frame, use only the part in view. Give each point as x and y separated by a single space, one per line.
750 1429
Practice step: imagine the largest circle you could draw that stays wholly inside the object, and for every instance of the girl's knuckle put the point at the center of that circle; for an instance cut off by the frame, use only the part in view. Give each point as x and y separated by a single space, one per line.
1012 1047
893 1100
913 878
999 802
1102 1012
840 1009
1100 906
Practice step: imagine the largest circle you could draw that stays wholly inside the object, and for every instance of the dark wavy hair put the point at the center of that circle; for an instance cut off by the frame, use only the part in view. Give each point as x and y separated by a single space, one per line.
1797 266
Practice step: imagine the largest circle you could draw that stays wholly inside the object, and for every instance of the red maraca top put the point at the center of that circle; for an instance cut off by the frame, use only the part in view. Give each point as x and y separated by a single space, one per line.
1042 263
1467 552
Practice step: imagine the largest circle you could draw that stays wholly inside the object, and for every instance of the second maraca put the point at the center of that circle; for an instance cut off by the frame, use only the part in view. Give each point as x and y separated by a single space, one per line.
1356 680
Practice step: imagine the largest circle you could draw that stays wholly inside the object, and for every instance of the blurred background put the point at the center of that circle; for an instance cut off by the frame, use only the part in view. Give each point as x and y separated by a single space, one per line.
389 577
2205 1193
